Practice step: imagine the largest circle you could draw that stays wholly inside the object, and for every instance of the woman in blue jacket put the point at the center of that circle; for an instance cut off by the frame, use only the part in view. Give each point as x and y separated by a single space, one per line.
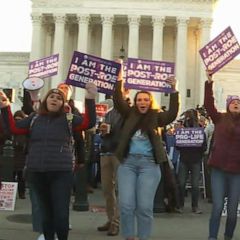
50 157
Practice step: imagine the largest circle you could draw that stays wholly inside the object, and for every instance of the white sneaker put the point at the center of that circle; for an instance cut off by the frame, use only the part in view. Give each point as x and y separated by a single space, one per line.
41 237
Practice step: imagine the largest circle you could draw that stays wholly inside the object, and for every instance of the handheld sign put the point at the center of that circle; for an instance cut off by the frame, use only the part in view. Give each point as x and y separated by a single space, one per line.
87 68
45 67
8 195
148 75
101 109
189 137
221 50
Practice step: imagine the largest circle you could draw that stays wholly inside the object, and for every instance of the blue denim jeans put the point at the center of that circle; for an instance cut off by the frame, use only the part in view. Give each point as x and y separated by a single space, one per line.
36 211
53 190
183 172
138 179
224 185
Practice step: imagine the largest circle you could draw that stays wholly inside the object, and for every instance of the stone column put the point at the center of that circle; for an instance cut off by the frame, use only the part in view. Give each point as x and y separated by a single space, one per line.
58 47
205 27
82 46
106 49
157 48
36 50
133 39
181 60
49 31
83 22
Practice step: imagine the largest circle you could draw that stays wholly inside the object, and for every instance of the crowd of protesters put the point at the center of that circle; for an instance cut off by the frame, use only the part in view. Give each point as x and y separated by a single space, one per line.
127 152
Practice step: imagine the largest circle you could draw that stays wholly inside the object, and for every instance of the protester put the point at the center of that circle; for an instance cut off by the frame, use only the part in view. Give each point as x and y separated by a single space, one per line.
224 161
110 131
50 157
19 146
191 161
140 151
4 135
209 131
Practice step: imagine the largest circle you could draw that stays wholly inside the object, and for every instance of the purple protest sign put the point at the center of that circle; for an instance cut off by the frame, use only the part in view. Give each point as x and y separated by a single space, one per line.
149 75
189 137
87 68
220 50
45 67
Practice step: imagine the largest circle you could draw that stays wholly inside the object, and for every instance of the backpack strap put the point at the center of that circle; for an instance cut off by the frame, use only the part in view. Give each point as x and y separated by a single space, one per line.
69 117
33 120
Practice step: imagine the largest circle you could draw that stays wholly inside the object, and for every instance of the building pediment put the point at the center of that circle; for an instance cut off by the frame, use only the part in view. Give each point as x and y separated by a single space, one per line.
197 8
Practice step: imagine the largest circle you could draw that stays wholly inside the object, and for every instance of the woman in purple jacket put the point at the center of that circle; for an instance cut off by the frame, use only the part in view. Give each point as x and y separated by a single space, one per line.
224 161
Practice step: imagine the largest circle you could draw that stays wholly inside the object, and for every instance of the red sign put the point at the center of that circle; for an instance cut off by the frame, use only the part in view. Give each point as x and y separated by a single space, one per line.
101 109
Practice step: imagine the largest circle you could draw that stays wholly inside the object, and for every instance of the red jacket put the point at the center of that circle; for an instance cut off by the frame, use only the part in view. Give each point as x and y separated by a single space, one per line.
225 153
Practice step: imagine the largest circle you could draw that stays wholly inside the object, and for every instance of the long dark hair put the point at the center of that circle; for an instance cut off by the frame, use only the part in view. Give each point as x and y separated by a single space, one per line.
190 118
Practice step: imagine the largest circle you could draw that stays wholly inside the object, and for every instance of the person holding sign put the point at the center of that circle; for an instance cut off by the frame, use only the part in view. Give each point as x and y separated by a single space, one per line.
50 157
140 151
224 161
191 143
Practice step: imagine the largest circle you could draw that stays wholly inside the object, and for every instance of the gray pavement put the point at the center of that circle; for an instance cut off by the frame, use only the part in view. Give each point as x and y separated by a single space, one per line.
16 225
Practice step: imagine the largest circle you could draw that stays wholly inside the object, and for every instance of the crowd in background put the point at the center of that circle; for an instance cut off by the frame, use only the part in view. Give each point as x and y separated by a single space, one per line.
127 168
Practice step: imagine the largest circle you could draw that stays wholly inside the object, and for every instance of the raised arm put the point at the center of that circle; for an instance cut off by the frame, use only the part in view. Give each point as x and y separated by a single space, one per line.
8 117
89 117
119 102
164 118
209 99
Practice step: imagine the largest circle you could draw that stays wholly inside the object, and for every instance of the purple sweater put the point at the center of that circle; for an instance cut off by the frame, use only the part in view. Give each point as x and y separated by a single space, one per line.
225 153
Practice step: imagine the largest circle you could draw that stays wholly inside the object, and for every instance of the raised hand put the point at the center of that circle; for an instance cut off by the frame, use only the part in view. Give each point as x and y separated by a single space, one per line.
120 75
4 101
209 75
172 81
91 90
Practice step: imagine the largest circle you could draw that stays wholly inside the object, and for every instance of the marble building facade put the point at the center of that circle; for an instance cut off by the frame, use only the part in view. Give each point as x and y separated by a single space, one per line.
168 30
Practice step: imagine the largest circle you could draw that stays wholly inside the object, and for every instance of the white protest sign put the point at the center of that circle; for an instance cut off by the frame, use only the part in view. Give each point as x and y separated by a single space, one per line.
8 195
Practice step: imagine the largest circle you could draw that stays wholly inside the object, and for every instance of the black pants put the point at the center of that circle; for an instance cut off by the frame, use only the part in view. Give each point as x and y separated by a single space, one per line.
18 176
54 191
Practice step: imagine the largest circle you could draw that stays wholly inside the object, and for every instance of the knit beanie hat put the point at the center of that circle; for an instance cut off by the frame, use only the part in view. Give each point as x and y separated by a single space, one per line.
57 91
230 98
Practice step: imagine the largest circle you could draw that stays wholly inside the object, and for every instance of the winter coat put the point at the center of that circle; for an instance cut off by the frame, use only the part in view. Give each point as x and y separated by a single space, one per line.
50 145
225 154
131 120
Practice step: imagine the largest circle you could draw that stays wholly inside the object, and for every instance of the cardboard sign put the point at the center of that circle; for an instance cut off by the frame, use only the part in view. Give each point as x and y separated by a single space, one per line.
8 195
189 137
221 50
45 67
101 109
148 75
87 68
